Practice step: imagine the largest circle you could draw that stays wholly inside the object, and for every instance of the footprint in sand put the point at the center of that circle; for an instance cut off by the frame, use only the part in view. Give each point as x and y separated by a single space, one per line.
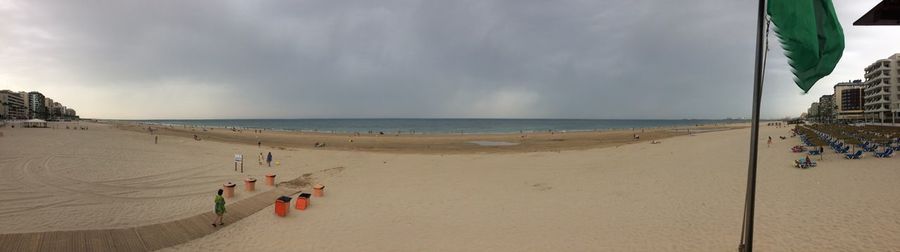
541 187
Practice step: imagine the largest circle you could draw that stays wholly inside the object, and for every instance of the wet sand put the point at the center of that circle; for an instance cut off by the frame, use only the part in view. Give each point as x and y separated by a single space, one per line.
431 143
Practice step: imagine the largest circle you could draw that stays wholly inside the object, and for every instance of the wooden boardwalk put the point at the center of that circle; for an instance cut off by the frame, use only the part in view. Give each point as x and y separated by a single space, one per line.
142 238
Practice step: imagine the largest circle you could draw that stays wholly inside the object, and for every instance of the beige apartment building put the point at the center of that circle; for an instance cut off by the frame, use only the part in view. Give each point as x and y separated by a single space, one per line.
882 92
848 101
24 96
11 105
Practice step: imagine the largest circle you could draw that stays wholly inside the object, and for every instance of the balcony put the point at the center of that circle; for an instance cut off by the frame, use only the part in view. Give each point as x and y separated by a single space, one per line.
877 73
877 107
879 99
873 92
874 83
869 80
881 64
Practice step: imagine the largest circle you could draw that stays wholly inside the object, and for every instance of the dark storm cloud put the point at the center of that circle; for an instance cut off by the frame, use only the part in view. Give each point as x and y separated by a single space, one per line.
561 59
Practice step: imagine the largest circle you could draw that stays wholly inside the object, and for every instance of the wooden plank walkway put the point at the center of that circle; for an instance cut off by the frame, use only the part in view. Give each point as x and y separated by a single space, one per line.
142 238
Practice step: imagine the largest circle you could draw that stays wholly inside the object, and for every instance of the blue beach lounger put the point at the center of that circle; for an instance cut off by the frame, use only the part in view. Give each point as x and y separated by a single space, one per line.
886 153
854 155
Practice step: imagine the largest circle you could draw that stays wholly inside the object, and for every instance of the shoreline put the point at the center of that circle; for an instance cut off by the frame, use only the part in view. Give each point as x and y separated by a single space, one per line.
689 123
426 143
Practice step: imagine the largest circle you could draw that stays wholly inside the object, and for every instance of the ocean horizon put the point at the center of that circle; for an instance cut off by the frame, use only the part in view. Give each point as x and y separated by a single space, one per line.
436 125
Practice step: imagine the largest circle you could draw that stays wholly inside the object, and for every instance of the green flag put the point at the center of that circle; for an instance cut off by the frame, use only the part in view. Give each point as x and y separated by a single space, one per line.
811 36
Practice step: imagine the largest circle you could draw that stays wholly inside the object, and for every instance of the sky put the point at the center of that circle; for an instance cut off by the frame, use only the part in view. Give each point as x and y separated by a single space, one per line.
410 59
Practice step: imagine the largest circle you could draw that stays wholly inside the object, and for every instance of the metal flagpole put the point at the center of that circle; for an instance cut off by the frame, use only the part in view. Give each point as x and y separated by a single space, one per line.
747 232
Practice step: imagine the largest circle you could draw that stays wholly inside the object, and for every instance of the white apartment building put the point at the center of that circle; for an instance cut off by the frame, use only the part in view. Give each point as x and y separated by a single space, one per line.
882 92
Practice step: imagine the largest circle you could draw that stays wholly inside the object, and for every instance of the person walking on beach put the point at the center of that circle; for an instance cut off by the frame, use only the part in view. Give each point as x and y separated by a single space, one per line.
220 209
821 153
769 143
269 159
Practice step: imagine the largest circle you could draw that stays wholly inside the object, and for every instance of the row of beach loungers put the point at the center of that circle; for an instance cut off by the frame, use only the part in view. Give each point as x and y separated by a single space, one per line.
814 138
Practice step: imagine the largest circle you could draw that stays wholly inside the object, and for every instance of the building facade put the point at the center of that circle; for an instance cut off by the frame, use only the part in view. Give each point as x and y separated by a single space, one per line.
849 101
882 92
11 105
48 108
37 106
812 113
24 96
70 113
826 108
56 111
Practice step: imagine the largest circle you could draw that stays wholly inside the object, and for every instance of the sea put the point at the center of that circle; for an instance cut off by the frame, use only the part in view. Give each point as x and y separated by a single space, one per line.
437 126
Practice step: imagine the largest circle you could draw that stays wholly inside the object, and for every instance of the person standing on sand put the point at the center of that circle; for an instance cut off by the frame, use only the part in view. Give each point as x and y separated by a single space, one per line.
769 143
259 144
220 209
821 153
269 159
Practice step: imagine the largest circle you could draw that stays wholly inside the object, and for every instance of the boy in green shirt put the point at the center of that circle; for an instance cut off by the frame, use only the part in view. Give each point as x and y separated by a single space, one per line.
220 209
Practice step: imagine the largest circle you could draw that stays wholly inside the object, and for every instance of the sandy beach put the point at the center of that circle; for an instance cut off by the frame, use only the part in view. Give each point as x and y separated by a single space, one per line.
684 194
429 143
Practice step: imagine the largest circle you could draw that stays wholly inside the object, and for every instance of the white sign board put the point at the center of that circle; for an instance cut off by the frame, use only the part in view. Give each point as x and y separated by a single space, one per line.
238 157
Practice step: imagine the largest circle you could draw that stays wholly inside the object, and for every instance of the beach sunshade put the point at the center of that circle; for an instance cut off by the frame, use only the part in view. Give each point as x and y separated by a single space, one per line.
811 36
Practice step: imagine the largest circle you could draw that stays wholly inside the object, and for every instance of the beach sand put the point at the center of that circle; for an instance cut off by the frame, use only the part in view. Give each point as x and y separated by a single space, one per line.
58 179
430 143
684 194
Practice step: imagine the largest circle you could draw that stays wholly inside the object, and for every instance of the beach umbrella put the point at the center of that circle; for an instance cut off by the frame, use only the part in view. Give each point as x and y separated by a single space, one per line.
811 35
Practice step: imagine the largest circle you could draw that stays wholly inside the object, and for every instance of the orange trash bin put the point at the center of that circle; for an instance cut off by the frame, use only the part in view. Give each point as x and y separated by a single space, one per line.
250 184
319 190
302 201
270 179
282 205
229 189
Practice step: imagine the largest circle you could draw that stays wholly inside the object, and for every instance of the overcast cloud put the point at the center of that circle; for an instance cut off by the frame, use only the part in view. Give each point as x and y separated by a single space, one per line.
327 59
